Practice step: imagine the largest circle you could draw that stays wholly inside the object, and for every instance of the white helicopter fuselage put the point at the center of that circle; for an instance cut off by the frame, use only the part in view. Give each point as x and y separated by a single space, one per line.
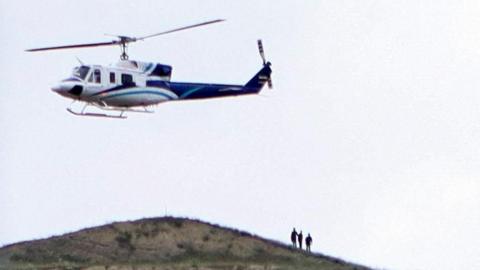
130 84
125 84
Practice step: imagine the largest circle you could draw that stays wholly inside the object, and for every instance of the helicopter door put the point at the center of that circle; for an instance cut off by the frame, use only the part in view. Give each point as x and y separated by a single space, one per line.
95 77
96 81
127 79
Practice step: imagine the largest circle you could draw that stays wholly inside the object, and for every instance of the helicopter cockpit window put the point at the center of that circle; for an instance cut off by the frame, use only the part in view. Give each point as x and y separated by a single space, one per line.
80 72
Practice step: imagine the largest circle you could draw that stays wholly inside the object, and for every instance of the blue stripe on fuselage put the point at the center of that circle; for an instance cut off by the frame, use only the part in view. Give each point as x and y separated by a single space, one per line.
139 92
200 90
116 88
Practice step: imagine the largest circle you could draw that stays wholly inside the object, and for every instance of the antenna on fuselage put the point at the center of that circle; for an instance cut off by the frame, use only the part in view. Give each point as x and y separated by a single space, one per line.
80 61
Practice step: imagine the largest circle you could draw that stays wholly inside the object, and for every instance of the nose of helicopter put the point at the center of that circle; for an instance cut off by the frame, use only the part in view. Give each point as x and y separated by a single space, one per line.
67 89
57 88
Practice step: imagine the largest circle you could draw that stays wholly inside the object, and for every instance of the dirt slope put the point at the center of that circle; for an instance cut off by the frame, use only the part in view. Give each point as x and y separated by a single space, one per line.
161 243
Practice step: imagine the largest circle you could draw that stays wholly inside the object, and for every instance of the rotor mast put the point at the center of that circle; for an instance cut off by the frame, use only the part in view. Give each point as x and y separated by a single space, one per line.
123 42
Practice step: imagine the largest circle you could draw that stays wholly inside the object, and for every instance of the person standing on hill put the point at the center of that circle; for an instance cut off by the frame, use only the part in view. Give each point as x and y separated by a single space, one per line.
308 242
293 237
300 239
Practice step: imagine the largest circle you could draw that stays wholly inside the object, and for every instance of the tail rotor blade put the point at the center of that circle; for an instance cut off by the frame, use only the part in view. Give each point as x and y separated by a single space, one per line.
270 84
260 49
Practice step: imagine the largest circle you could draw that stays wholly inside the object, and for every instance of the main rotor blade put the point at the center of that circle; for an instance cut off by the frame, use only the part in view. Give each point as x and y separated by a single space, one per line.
113 42
182 28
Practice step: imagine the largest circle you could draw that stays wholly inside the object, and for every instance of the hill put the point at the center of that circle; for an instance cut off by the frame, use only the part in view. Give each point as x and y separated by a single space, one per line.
160 244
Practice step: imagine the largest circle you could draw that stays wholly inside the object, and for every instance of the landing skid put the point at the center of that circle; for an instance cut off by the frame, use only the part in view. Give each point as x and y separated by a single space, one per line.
96 114
105 107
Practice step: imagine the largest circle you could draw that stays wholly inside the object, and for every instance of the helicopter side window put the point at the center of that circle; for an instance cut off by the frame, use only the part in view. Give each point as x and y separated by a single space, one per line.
112 77
127 79
97 76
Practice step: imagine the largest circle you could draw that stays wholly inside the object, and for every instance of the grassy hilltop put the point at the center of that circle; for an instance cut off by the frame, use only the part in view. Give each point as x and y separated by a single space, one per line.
161 244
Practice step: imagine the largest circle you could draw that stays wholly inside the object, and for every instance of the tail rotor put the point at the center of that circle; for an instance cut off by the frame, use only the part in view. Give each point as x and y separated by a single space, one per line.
265 62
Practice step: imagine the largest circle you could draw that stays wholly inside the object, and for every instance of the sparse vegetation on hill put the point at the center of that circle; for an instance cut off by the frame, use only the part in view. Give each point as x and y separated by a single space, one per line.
161 243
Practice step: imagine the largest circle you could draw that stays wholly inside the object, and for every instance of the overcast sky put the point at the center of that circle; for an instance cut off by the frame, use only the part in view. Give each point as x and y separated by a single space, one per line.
370 140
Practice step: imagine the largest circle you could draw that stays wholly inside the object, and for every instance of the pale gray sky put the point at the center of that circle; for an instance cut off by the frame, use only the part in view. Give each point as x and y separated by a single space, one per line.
372 134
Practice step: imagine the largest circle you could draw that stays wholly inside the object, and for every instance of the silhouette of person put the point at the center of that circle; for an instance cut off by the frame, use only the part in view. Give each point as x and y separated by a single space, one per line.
293 237
300 239
308 242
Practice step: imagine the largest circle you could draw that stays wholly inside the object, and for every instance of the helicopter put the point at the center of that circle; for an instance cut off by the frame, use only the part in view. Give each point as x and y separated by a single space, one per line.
135 86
